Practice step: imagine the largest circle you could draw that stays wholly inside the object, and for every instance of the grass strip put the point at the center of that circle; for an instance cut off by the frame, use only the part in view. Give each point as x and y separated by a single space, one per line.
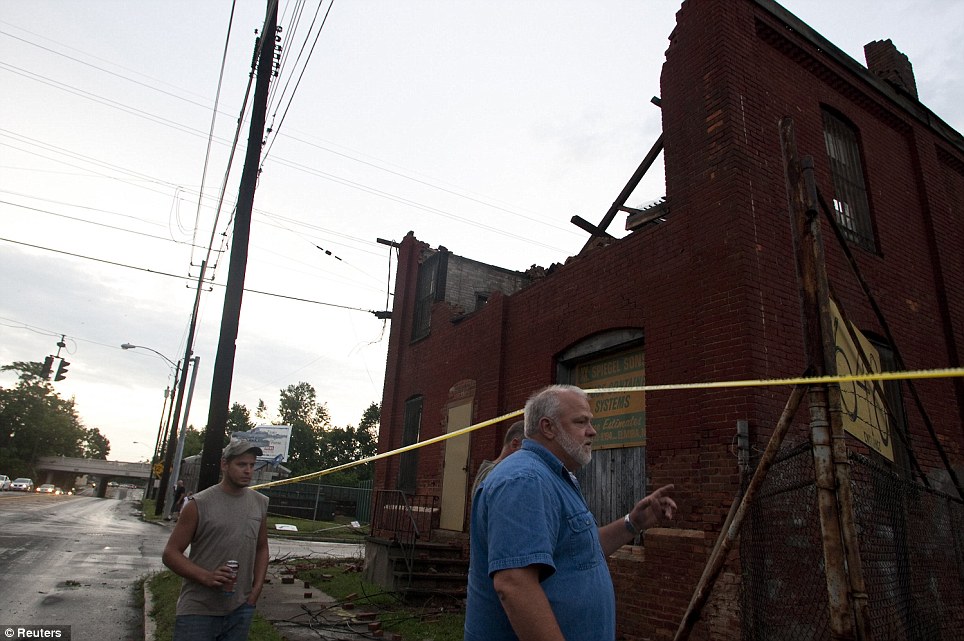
166 586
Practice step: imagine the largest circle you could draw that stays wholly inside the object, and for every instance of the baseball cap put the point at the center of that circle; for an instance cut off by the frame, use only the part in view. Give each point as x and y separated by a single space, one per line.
237 447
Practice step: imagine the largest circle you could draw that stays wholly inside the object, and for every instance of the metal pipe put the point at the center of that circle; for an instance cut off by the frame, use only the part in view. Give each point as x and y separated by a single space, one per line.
179 452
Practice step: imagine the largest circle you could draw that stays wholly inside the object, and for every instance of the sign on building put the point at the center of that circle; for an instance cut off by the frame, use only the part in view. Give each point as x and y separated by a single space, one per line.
619 418
864 413
272 439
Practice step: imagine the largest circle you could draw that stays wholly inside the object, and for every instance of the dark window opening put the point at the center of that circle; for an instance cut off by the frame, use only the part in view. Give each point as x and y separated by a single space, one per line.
850 203
480 300
897 418
429 289
408 462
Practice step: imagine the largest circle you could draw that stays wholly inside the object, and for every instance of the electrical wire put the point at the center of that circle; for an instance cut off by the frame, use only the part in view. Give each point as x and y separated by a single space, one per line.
478 200
91 222
234 144
75 206
151 86
214 116
140 113
182 277
301 75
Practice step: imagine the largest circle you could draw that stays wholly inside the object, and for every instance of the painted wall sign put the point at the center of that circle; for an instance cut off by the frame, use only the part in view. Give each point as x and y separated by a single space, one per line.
864 416
619 418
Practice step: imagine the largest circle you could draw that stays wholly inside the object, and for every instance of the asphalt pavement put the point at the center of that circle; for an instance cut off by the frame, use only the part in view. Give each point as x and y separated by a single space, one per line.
74 561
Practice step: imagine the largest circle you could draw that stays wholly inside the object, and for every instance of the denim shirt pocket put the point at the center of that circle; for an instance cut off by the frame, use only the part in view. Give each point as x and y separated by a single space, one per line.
579 548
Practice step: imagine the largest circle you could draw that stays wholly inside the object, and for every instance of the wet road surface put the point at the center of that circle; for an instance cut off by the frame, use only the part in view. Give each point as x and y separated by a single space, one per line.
75 560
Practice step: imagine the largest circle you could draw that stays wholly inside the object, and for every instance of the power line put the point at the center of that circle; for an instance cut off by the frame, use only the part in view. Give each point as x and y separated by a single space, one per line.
91 222
140 113
111 61
180 277
196 132
76 206
301 75
411 203
152 87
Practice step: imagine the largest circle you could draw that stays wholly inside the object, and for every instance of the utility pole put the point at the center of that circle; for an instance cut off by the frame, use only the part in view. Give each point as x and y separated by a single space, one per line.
230 317
181 386
179 452
846 590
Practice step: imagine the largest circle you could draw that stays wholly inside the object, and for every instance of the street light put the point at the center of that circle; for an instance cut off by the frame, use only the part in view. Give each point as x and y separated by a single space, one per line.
132 346
162 427
162 506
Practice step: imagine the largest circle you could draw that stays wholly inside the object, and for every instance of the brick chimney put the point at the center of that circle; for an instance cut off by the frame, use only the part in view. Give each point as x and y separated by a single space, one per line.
885 62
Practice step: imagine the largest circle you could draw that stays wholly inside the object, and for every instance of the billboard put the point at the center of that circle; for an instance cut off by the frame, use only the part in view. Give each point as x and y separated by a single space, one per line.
272 439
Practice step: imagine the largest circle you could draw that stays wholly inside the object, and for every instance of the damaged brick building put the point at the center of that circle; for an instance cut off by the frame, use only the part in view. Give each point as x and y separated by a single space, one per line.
704 288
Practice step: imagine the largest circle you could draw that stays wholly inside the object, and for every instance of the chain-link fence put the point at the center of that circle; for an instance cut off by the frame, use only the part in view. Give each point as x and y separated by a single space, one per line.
911 551
319 502
784 589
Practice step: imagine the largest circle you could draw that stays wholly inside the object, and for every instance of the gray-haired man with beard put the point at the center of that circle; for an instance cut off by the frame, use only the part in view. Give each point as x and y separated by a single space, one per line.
538 560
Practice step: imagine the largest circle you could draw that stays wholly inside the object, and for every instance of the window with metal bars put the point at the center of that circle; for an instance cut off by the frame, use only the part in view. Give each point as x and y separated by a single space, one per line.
850 203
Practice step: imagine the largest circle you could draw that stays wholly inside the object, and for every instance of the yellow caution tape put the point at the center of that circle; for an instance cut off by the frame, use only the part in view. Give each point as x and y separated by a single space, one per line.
952 372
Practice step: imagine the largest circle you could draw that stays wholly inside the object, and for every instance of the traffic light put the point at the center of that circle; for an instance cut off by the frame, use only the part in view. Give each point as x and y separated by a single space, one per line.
61 370
48 365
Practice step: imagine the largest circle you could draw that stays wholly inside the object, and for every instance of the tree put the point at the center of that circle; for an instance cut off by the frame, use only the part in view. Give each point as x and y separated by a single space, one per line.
193 442
239 418
35 421
262 410
299 408
350 444
95 444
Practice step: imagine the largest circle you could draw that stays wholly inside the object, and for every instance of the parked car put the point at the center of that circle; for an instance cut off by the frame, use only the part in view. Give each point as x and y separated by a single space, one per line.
22 485
4 482
47 488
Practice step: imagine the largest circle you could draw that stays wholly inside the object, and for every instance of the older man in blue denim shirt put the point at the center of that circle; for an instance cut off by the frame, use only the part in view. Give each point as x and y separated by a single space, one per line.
538 560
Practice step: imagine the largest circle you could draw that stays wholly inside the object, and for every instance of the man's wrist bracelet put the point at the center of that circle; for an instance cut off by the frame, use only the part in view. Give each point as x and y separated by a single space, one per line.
630 527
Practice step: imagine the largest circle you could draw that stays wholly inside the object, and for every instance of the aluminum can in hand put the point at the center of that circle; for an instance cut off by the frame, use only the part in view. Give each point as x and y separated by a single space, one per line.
228 588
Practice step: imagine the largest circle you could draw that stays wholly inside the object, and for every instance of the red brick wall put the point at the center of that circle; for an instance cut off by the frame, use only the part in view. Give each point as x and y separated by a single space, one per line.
714 289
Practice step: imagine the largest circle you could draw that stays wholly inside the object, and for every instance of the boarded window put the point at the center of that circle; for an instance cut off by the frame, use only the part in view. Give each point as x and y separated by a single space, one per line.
850 204
429 289
408 462
616 477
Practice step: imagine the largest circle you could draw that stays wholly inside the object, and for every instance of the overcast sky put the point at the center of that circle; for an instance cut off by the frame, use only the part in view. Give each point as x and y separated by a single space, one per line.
482 127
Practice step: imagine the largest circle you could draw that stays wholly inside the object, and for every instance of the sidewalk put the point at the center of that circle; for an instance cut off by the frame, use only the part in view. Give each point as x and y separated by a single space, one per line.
301 613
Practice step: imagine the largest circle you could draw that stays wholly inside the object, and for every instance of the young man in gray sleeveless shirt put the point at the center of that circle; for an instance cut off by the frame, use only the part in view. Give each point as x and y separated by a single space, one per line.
227 521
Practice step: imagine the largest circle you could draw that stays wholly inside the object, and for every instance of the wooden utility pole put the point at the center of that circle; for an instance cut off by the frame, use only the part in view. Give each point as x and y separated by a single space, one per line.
214 432
847 596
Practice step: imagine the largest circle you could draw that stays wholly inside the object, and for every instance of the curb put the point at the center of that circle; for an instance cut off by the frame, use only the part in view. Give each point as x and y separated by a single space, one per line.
150 629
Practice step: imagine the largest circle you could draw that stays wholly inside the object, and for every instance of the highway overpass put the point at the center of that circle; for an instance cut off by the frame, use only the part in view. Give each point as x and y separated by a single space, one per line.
62 470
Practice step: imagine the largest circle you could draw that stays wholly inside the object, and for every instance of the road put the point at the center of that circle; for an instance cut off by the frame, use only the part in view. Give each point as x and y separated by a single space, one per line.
76 560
